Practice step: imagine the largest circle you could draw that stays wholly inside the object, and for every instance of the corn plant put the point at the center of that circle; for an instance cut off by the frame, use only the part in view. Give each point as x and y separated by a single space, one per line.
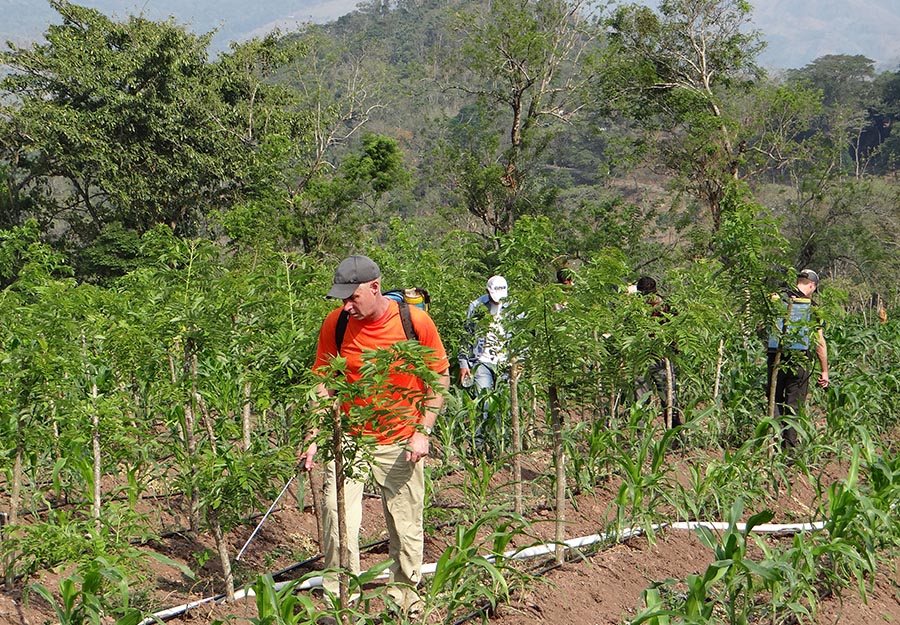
855 526
472 572
288 605
479 489
641 465
589 445
280 606
744 473
484 416
99 590
793 593
726 590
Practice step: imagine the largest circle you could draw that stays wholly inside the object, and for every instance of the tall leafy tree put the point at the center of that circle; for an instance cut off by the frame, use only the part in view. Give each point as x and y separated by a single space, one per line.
521 68
319 184
675 71
849 99
884 118
128 123
838 218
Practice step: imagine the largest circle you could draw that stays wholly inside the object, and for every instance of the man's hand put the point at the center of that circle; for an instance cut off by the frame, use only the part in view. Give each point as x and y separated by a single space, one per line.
307 458
823 380
464 374
417 447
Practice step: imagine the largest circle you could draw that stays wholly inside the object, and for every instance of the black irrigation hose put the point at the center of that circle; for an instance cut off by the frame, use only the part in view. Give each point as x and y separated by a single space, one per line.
182 531
83 503
488 610
218 598
181 610
300 565
372 545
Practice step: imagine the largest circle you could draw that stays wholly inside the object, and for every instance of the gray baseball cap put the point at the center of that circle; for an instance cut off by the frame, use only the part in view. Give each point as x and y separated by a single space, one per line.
352 272
810 275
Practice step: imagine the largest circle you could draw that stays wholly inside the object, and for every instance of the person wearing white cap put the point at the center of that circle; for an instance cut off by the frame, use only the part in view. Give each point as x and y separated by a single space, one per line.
481 362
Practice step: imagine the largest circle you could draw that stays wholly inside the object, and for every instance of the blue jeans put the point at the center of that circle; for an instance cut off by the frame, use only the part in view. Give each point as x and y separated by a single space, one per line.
485 379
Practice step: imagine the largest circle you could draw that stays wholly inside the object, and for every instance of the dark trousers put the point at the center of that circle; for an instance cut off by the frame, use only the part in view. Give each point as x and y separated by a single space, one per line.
658 377
791 388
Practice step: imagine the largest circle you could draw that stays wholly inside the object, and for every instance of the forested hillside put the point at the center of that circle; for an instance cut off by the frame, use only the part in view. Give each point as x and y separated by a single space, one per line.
26 20
170 223
472 127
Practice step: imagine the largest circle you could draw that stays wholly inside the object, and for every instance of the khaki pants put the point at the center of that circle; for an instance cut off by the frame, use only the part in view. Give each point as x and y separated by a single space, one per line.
402 486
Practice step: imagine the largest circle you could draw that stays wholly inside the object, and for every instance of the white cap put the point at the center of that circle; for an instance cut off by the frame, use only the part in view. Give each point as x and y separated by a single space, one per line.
497 288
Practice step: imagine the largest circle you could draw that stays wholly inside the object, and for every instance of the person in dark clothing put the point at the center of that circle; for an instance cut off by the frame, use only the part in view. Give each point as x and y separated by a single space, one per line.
565 276
661 372
789 362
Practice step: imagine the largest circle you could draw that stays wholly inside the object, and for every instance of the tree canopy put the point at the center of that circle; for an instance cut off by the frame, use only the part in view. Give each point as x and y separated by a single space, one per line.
438 111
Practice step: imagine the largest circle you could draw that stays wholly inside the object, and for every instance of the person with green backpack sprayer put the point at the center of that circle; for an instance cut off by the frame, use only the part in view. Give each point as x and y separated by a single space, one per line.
789 362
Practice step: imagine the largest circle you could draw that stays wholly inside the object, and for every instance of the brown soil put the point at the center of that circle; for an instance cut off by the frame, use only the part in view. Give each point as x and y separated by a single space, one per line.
604 586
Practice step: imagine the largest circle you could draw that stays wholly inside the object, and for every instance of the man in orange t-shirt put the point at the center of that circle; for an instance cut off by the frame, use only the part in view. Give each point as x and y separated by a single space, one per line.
401 436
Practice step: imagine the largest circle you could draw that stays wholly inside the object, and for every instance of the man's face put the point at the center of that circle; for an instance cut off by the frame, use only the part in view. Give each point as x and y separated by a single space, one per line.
363 304
807 287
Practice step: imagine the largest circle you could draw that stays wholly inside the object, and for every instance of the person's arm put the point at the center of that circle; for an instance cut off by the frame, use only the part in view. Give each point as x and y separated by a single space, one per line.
465 368
307 455
822 355
465 350
326 350
419 443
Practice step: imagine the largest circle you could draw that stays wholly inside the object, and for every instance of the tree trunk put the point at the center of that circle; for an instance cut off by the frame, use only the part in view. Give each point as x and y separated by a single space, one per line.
9 578
190 439
773 379
776 365
516 427
95 442
201 404
339 478
719 362
55 425
15 495
222 548
317 492
559 459
670 395
245 417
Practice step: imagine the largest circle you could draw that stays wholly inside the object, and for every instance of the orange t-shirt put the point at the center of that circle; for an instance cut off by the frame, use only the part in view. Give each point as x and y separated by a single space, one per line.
400 413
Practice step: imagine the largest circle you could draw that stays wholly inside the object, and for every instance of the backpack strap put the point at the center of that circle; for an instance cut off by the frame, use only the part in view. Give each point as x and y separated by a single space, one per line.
405 319
341 329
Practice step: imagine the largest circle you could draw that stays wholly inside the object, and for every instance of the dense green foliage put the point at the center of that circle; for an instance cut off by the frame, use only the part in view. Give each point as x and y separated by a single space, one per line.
170 226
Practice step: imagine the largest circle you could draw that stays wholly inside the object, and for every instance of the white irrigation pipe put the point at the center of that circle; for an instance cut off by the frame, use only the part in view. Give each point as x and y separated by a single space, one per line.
763 528
518 554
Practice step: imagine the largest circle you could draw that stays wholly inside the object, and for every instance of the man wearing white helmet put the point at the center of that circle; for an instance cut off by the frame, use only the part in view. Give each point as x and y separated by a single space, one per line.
481 363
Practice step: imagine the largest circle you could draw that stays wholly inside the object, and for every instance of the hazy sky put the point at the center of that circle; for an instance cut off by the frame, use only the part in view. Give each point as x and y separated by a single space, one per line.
797 31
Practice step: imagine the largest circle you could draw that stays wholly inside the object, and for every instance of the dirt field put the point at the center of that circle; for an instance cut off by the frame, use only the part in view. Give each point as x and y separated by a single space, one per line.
603 587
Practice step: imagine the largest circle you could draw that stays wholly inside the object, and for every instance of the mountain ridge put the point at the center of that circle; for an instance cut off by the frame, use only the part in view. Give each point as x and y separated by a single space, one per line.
796 31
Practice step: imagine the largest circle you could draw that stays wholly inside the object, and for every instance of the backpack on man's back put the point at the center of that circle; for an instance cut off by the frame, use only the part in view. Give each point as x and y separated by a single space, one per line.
415 296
